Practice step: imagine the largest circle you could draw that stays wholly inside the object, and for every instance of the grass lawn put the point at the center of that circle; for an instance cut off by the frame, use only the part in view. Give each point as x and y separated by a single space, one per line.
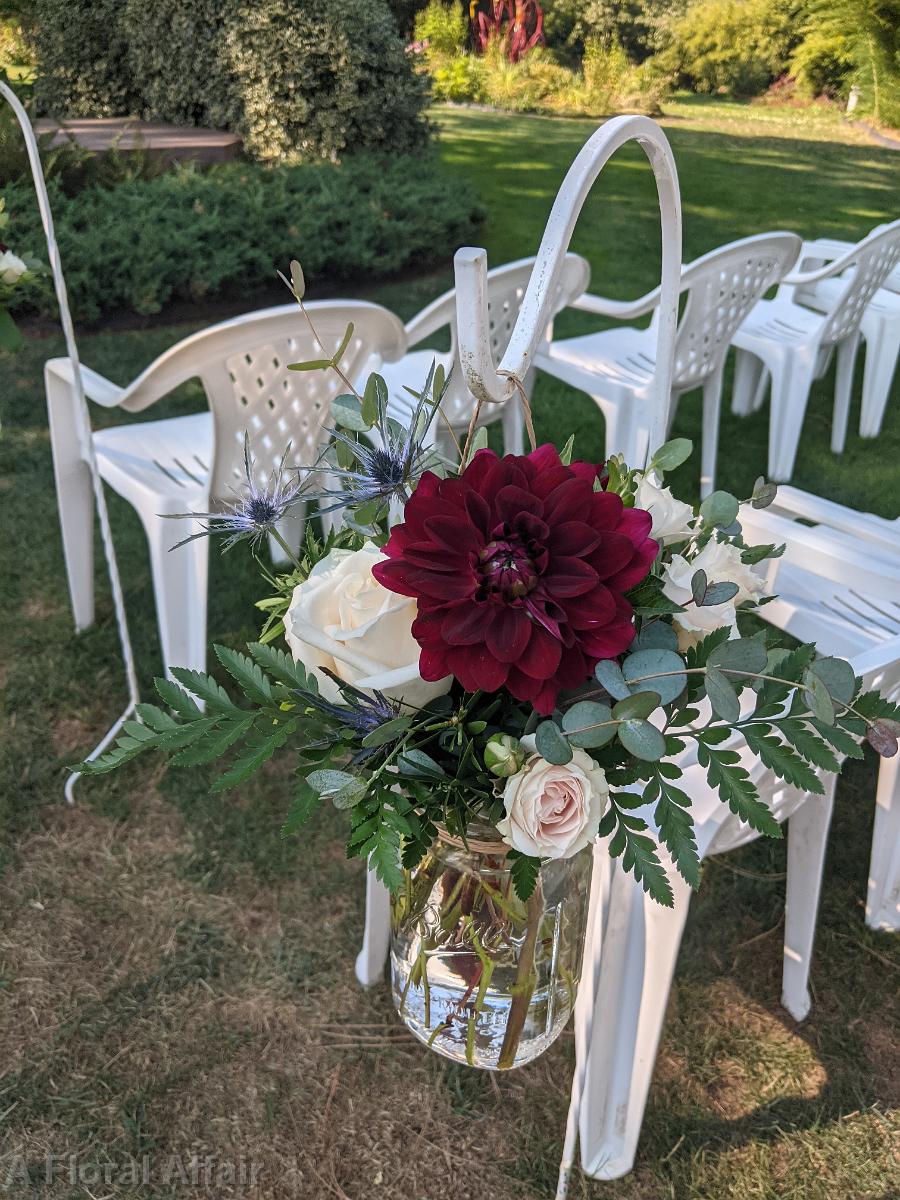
176 979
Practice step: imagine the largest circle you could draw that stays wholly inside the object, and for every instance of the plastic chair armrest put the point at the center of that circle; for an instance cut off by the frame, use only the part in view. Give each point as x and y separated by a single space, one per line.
622 310
97 387
435 316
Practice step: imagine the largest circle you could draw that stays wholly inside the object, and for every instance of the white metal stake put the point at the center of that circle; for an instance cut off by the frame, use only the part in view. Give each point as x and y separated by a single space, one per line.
87 444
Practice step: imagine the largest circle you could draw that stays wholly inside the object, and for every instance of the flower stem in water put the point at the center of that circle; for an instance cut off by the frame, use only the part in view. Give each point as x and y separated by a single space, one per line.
523 988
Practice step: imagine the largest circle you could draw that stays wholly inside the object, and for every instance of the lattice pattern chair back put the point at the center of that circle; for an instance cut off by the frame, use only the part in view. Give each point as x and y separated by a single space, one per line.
721 288
506 287
244 368
876 257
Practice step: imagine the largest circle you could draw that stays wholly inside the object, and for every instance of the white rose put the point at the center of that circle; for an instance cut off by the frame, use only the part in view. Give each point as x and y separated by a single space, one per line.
722 563
11 267
671 518
551 811
341 618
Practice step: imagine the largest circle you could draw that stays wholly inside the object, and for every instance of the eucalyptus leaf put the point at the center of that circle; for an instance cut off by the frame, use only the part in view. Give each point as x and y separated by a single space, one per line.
609 674
720 509
643 740
661 664
298 283
347 411
313 364
388 732
417 762
551 745
328 782
723 698
740 654
816 695
763 493
698 586
719 593
589 725
656 635
671 455
638 706
375 398
838 676
345 342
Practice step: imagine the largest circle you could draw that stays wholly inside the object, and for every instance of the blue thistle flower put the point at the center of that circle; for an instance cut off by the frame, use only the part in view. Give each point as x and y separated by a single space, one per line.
255 512
388 466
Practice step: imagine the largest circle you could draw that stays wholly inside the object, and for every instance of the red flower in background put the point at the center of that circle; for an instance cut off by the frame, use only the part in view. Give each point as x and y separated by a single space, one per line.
519 568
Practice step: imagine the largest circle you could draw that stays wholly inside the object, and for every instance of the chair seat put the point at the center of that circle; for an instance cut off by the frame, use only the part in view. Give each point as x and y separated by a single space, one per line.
779 321
839 620
624 356
410 371
149 461
826 292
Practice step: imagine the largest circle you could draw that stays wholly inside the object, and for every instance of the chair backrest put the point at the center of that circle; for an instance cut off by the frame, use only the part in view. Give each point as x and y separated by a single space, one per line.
875 258
720 289
506 286
243 365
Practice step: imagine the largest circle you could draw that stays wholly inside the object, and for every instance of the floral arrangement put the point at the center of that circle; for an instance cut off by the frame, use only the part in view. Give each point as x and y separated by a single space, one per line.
14 272
506 653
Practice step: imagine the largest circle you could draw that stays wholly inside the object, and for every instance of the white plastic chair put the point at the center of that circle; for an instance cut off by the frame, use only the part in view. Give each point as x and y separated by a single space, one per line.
498 385
617 367
880 328
636 943
506 287
825 594
790 344
193 463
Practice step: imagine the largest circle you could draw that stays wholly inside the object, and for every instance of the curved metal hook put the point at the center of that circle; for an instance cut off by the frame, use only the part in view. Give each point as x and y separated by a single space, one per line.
495 384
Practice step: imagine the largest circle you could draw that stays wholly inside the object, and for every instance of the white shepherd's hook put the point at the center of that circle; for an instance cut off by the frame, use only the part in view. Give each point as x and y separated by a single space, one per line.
65 317
496 384
490 383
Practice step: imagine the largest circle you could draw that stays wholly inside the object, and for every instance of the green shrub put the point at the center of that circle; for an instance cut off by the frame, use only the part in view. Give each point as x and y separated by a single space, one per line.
443 26
82 52
191 234
736 46
456 78
313 78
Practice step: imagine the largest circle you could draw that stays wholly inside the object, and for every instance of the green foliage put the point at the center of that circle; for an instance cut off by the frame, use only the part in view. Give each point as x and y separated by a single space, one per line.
854 41
294 77
81 48
189 234
443 26
736 46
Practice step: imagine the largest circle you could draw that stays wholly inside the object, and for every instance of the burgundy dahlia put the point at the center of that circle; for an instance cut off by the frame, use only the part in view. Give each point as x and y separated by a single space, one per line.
519 569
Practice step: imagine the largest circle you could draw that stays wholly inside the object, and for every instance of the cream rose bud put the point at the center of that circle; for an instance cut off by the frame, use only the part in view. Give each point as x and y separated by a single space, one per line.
343 620
11 267
553 811
722 563
671 518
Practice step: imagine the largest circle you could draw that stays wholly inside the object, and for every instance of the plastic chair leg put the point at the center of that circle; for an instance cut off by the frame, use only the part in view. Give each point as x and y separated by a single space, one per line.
712 404
748 373
376 935
640 947
74 497
883 896
792 378
180 580
882 354
843 386
807 841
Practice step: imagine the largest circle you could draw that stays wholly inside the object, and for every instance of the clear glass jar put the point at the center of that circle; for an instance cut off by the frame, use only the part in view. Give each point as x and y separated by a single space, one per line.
478 975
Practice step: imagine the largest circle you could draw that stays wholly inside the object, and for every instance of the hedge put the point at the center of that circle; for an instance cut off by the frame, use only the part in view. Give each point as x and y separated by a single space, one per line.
191 235
313 78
